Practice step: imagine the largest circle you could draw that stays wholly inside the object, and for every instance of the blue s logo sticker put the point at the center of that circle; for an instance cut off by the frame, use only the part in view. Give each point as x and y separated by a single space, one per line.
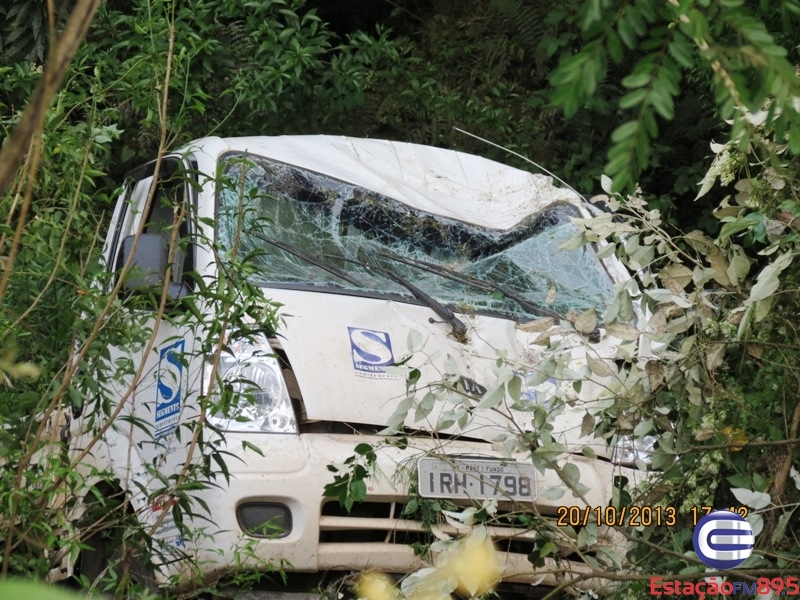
169 388
371 351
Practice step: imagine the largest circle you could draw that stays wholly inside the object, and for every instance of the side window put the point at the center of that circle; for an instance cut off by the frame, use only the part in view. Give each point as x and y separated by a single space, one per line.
171 208
172 205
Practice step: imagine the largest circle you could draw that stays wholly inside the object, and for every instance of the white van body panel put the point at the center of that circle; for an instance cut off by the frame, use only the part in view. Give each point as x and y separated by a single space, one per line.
326 335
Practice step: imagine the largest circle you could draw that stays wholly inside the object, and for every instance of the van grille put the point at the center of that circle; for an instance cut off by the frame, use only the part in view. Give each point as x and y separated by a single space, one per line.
370 522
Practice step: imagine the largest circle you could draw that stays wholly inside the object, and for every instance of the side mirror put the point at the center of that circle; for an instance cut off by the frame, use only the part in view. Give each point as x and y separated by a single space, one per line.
148 266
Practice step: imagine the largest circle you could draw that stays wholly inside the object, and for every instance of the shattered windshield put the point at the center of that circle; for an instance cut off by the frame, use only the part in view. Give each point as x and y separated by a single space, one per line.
302 229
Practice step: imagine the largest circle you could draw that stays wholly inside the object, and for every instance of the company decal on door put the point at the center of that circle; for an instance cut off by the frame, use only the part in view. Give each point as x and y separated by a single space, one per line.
371 352
169 388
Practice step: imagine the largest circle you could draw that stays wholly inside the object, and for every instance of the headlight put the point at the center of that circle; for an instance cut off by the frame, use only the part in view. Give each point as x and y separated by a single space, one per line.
250 393
634 451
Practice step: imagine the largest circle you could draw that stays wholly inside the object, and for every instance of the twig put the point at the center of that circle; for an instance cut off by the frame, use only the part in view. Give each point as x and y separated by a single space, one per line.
59 59
779 483
788 442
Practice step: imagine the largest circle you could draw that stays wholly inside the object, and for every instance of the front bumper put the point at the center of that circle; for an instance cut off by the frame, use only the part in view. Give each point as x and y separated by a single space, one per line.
375 535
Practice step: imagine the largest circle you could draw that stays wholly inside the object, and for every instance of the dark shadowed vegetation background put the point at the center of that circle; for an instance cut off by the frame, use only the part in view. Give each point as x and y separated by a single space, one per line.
690 108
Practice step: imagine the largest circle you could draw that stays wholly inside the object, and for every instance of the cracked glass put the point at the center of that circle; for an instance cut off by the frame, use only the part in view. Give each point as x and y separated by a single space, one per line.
306 230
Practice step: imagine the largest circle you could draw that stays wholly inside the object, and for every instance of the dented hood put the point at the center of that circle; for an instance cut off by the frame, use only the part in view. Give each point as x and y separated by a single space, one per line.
340 347
369 243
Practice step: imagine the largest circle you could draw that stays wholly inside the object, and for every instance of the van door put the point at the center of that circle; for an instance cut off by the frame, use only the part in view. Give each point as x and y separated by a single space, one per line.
152 247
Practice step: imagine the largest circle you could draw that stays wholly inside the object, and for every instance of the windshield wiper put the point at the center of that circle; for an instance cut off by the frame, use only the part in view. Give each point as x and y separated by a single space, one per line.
449 317
459 329
332 269
474 282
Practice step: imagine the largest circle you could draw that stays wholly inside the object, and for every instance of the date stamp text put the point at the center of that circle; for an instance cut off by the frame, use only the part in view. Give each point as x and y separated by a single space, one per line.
631 516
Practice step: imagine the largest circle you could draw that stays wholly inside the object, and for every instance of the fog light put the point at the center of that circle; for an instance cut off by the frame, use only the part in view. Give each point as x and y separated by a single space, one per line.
264 519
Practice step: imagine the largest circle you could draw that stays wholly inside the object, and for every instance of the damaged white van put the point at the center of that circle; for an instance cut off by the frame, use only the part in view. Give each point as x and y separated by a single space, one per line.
378 254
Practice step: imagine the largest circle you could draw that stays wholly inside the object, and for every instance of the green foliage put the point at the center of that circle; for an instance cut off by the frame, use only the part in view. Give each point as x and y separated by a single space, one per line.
59 313
707 363
25 30
659 46
58 246
56 505
722 390
12 589
478 65
652 78
350 480
485 67
233 71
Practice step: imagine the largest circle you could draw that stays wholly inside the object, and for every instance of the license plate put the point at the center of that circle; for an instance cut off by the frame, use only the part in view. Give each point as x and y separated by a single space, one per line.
477 479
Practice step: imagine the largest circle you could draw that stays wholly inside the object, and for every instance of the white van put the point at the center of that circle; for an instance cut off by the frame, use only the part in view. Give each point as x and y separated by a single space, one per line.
375 251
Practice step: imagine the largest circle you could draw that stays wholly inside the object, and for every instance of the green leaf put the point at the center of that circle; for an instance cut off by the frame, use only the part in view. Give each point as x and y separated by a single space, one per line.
251 446
681 50
492 398
548 548
643 428
586 321
753 499
649 130
401 412
633 98
358 490
550 449
780 528
571 474
11 589
553 493
794 140
625 131
363 449
424 407
414 341
286 33
661 99
767 281
593 12
514 387
627 33
542 372
614 46
637 79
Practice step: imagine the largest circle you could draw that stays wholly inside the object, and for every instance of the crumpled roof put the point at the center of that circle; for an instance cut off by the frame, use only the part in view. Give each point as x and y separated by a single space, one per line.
444 182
